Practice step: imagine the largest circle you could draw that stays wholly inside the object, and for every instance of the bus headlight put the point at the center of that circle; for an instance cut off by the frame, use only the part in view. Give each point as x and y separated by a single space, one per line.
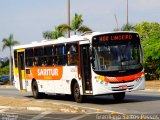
106 83
139 79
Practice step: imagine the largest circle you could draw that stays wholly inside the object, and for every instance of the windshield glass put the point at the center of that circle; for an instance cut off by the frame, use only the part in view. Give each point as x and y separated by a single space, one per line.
119 57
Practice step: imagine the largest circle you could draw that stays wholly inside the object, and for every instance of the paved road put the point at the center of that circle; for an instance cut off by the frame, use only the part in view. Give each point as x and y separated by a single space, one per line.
135 102
43 115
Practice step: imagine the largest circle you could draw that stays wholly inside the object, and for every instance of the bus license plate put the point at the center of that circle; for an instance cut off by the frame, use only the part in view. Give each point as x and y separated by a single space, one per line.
123 87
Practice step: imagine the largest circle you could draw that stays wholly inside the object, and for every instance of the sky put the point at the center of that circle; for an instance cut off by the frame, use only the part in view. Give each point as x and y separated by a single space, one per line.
28 19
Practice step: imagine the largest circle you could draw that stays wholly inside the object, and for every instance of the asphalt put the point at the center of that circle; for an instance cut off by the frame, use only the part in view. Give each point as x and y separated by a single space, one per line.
63 110
146 89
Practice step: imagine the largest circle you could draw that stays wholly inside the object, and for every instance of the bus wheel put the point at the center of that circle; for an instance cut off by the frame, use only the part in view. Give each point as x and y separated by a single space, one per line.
119 96
76 93
35 91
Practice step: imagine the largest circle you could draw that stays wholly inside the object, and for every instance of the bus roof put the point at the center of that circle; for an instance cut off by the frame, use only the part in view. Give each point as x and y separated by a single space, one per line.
62 40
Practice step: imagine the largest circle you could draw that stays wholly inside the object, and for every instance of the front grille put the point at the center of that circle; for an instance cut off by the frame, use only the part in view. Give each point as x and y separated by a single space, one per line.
129 87
121 82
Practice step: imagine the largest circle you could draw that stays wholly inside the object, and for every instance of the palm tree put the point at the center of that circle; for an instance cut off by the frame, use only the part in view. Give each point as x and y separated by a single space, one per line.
47 35
9 42
52 34
127 27
76 25
56 33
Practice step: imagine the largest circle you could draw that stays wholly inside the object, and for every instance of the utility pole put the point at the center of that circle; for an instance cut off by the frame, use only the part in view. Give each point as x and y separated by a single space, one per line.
127 13
68 10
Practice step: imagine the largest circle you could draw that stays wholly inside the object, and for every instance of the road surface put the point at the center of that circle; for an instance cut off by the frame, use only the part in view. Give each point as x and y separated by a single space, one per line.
141 102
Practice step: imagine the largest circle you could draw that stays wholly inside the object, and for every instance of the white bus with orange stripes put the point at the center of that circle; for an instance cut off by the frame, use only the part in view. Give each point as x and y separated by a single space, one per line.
87 65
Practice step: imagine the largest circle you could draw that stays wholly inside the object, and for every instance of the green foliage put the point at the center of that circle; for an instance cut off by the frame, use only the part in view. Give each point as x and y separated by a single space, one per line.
76 22
4 70
146 29
83 29
76 26
150 35
57 33
127 27
47 35
9 42
63 28
3 64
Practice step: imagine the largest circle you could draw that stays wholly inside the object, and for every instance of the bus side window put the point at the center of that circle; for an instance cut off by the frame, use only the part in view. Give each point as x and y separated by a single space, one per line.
72 54
29 57
60 57
49 51
38 56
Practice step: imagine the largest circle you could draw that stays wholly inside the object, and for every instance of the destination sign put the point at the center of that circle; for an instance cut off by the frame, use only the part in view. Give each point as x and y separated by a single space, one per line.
115 37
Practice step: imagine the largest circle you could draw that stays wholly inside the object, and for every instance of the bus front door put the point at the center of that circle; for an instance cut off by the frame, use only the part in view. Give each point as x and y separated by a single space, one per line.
21 69
85 66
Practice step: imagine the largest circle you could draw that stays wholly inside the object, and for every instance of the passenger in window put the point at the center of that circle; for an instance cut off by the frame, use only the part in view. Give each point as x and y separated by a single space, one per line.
53 62
29 62
35 62
72 49
69 57
72 55
44 63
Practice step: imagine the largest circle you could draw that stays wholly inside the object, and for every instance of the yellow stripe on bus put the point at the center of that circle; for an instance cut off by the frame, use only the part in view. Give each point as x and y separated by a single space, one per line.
20 50
23 74
23 91
16 71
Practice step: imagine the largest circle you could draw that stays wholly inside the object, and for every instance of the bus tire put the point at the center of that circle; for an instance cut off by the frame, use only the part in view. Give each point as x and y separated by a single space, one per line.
119 96
76 93
35 91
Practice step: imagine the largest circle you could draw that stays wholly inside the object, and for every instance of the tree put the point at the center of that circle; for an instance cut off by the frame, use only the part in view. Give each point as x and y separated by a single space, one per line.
76 25
9 42
57 33
127 27
47 35
146 29
149 33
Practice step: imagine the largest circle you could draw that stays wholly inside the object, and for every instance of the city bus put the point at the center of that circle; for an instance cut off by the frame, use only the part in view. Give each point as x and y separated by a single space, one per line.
88 65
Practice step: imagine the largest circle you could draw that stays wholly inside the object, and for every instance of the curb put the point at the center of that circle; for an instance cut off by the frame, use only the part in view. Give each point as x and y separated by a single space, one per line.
97 111
26 108
7 86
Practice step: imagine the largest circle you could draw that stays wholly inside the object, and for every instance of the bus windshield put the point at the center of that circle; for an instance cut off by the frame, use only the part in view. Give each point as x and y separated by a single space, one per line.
120 57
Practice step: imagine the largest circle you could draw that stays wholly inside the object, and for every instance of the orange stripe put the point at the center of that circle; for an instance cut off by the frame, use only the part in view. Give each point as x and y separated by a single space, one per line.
123 78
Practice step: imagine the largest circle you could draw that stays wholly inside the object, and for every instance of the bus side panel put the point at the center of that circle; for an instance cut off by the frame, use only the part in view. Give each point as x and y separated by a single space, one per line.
28 85
43 85
70 74
62 86
16 79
